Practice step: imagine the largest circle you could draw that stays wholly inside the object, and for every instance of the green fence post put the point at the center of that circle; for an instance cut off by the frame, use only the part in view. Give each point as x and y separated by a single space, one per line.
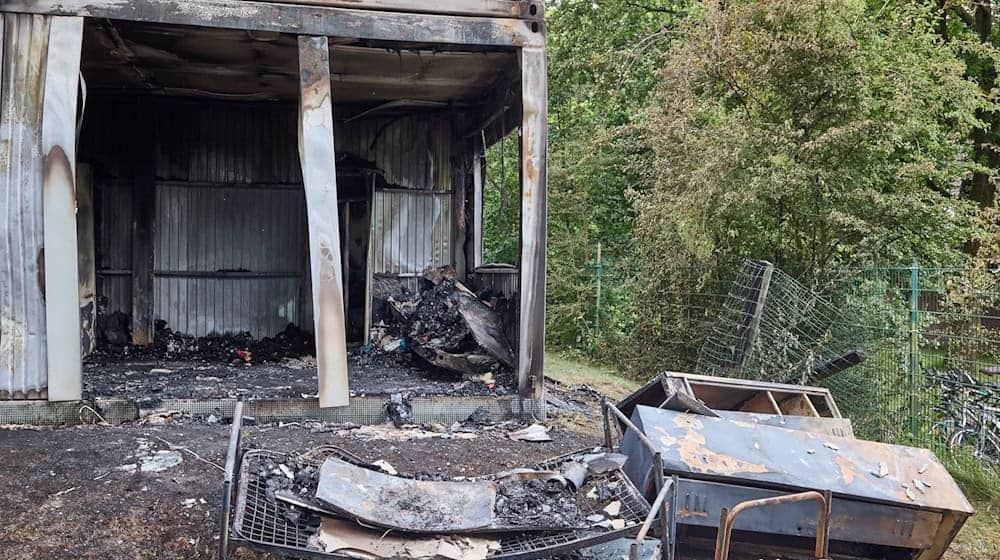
914 351
600 274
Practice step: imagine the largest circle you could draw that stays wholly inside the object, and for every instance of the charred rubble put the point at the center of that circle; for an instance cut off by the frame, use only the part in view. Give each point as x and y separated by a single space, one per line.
568 499
449 329
114 343
442 328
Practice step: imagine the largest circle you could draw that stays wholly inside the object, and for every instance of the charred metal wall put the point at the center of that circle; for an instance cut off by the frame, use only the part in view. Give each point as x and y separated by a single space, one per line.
227 242
412 151
23 49
226 259
411 231
229 213
229 231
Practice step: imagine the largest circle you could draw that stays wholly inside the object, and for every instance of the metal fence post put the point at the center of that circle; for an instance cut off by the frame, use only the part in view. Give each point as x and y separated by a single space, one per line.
600 274
914 350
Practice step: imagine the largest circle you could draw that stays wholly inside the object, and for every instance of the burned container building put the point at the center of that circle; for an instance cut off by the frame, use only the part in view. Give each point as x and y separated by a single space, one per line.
180 172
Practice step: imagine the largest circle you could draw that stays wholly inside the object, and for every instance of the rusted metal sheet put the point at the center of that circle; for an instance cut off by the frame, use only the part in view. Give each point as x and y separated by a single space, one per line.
743 452
534 166
62 290
700 503
418 506
319 173
23 362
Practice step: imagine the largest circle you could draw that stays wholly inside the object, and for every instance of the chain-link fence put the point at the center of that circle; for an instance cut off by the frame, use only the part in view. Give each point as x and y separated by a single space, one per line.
912 354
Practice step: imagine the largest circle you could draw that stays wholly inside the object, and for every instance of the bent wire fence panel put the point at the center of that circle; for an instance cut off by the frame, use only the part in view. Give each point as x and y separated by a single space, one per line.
929 339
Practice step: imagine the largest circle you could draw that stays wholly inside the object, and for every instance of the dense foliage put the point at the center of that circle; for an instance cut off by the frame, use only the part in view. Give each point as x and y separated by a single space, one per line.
686 136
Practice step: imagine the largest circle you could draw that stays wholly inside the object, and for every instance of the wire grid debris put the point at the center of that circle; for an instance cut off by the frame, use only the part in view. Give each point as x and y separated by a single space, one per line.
266 523
773 328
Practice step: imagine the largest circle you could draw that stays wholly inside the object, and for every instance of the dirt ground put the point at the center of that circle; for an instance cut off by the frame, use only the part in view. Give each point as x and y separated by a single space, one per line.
69 493
82 492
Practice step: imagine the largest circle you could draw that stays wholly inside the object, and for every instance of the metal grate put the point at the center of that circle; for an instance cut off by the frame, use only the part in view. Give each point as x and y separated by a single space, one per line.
265 523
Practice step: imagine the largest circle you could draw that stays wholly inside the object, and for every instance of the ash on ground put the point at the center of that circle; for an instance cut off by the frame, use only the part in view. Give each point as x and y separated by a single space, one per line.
538 504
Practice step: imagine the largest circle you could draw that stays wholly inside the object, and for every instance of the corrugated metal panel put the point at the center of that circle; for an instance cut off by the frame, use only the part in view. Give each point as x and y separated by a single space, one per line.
412 151
502 281
231 143
411 231
23 372
220 166
114 247
226 259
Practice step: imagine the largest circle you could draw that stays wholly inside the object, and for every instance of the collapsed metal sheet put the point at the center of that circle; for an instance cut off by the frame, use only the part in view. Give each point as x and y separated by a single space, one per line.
417 506
485 324
736 451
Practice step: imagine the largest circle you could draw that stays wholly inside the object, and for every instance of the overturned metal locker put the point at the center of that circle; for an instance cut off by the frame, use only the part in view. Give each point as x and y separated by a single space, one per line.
888 500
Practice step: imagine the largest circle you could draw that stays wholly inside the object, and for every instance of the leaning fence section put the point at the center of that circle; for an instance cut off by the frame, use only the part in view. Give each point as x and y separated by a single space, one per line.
911 353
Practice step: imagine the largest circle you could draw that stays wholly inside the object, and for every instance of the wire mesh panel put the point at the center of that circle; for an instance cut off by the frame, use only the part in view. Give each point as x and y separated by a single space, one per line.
773 328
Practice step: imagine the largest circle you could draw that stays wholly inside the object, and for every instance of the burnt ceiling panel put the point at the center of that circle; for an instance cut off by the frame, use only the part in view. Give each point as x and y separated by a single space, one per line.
236 64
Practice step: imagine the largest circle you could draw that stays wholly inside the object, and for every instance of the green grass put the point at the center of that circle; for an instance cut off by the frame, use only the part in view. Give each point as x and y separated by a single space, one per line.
979 480
980 537
572 372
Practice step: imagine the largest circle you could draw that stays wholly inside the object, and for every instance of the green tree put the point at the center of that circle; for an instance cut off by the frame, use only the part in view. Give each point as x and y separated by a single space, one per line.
812 133
809 132
603 60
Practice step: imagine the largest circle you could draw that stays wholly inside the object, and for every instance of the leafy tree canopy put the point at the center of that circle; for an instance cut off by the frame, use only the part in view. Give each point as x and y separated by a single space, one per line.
814 133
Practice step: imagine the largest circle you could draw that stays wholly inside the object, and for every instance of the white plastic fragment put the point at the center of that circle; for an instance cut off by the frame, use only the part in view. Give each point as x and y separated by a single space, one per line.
534 432
386 467
613 509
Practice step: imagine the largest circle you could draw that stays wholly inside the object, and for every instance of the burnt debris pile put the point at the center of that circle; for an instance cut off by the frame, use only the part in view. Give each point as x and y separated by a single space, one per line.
448 328
114 342
325 497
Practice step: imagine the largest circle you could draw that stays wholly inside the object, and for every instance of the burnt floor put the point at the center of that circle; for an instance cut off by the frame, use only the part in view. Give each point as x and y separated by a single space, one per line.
369 374
69 492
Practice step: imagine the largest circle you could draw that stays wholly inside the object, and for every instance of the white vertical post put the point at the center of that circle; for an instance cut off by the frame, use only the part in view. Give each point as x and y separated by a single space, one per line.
62 295
477 204
319 175
534 132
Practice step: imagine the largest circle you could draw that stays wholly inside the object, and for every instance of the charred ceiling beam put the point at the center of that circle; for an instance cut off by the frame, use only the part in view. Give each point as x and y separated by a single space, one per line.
120 50
337 23
530 9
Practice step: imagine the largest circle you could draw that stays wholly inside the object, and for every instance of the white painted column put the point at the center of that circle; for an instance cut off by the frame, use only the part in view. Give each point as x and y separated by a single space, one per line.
534 132
62 291
319 175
